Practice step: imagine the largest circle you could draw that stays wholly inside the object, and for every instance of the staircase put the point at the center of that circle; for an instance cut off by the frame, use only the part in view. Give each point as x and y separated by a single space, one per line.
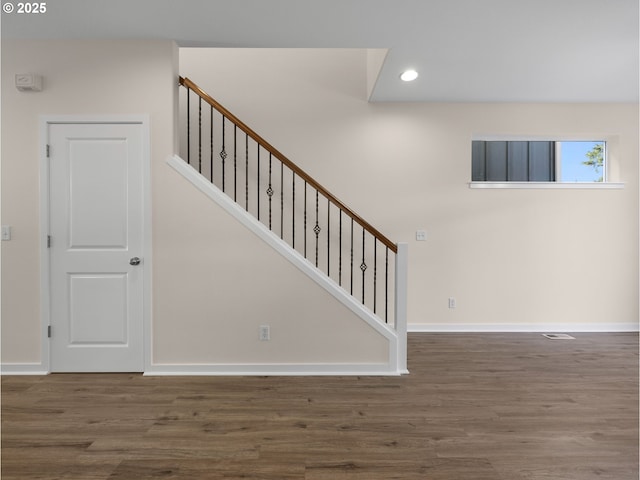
295 214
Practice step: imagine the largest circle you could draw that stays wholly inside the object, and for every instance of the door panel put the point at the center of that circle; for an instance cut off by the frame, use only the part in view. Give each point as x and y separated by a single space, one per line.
98 312
97 219
98 216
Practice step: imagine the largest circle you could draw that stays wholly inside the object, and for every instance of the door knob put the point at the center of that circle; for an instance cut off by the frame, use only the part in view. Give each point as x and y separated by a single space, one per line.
134 261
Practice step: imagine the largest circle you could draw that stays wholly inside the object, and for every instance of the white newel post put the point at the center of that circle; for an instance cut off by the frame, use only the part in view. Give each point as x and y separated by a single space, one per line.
401 304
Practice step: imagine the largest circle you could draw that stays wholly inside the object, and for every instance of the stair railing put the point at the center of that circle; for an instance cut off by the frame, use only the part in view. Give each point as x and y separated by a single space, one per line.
287 200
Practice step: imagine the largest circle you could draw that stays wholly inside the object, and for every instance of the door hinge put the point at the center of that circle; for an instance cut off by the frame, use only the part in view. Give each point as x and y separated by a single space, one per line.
48 151
48 241
49 331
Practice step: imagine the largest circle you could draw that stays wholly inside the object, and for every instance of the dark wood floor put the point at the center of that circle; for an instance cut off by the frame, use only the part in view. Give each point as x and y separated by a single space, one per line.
494 406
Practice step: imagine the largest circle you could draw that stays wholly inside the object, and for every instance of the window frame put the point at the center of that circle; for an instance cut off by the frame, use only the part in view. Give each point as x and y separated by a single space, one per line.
605 184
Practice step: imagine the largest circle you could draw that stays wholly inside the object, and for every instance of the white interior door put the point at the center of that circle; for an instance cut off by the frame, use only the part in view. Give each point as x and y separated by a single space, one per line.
96 227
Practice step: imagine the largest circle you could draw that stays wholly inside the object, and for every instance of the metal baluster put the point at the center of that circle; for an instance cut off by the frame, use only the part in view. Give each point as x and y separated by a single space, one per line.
351 291
363 265
328 237
258 183
340 250
223 152
235 163
375 272
199 134
386 285
188 126
293 209
317 228
211 146
305 219
270 190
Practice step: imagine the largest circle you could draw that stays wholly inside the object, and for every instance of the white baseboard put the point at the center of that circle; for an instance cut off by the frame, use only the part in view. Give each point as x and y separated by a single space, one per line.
23 369
522 328
273 370
236 369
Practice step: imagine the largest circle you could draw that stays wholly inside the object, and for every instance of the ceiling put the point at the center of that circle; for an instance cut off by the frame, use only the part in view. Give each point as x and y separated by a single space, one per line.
464 50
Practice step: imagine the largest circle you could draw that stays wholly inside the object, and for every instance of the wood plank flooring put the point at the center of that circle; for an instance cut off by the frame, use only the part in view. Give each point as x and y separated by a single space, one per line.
481 407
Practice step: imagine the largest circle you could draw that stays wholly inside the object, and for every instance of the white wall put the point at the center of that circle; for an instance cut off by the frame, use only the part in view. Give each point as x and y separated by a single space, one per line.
513 259
214 283
219 283
80 77
517 259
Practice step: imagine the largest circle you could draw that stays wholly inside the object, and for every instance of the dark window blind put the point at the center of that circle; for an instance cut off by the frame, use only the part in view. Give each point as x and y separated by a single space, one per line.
513 161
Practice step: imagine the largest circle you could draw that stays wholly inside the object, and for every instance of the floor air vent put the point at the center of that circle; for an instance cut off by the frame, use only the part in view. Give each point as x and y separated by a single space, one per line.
558 336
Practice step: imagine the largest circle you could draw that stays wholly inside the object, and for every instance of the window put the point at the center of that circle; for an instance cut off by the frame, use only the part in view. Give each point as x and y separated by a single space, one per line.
538 161
581 161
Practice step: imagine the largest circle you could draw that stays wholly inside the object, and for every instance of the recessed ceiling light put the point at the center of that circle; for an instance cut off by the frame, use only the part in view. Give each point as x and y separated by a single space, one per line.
409 75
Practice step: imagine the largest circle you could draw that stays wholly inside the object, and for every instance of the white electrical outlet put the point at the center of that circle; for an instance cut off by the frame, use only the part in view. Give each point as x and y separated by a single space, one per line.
452 302
265 333
421 236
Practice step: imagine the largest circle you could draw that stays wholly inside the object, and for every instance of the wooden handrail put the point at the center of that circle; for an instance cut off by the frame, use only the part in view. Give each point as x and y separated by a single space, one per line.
185 82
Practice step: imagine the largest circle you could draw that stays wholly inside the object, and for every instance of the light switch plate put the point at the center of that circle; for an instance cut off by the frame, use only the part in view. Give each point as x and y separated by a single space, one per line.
6 232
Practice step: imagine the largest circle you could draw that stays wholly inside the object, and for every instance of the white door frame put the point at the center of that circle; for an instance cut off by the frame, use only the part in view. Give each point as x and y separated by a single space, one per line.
45 287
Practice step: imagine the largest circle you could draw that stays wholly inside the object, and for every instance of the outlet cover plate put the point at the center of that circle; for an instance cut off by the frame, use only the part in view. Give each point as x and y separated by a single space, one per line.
265 333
